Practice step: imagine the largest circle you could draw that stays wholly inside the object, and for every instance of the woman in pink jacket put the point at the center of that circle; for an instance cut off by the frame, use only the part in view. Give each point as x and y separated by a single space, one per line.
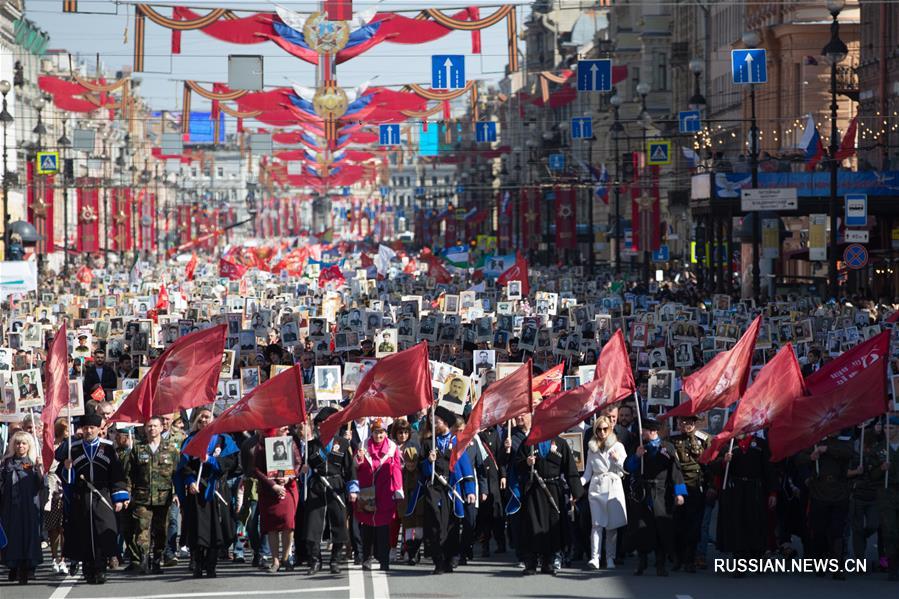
379 470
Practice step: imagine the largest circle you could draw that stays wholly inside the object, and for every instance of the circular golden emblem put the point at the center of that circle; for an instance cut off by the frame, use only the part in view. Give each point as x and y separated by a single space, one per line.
322 35
88 214
330 103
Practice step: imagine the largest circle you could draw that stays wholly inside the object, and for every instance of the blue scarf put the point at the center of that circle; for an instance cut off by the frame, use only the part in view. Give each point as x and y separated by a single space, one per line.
652 447
444 441
543 448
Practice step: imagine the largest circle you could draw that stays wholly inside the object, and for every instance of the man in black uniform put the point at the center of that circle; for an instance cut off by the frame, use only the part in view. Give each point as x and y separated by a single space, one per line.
94 481
542 470
656 487
689 444
490 510
330 472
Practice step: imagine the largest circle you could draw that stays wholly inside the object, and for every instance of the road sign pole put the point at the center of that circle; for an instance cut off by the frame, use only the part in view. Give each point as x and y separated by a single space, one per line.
756 217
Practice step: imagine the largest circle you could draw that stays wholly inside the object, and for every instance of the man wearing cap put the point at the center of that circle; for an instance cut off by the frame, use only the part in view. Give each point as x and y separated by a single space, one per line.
444 492
330 474
657 487
95 480
689 444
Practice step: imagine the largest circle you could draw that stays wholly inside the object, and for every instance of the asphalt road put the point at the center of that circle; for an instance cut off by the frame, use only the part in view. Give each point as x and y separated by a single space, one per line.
483 578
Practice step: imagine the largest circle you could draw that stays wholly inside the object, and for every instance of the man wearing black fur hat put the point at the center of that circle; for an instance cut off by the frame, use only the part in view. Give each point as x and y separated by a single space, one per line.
330 472
657 486
95 480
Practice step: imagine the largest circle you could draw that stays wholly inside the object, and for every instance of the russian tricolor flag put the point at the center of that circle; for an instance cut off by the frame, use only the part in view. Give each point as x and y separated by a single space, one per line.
602 185
810 143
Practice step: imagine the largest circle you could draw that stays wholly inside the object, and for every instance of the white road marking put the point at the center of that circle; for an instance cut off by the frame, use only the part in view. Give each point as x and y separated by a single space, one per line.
379 585
64 588
231 593
683 597
357 582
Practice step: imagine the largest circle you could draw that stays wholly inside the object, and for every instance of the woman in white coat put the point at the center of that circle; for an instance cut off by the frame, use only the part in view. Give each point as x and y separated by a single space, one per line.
602 476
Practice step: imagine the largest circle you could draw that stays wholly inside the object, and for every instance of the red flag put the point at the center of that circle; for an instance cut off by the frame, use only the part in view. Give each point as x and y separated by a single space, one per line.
231 269
847 145
162 299
769 398
98 394
845 392
84 275
614 381
550 381
339 10
57 392
366 260
397 385
411 267
439 272
191 267
184 376
517 272
331 274
723 380
275 403
503 400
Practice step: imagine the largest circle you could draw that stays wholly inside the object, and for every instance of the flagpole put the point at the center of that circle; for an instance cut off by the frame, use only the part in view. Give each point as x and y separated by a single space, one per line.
639 426
434 436
861 448
33 436
886 438
727 467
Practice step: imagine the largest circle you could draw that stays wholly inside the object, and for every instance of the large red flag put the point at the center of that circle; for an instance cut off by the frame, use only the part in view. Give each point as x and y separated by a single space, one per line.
57 392
517 272
549 382
767 400
331 274
184 376
845 392
397 385
275 403
191 267
162 299
723 380
614 381
503 400
230 269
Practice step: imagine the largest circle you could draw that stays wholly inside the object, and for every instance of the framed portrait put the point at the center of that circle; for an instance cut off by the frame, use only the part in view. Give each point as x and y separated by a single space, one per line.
33 335
290 334
101 329
454 393
277 369
717 419
570 382
586 373
327 384
247 340
658 359
232 391
353 373
661 388
406 330
386 342
504 369
76 400
8 411
575 442
27 389
249 378
451 304
279 457
683 355
318 329
484 359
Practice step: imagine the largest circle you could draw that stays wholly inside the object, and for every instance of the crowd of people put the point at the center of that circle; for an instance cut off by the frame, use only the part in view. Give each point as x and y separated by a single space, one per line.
626 485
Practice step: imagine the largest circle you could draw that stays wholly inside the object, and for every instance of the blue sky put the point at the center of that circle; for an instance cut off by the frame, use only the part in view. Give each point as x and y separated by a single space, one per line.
205 59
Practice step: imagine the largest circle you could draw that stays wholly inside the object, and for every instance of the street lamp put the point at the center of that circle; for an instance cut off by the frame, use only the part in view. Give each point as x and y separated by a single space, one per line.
6 118
63 142
697 101
751 39
836 52
645 201
617 129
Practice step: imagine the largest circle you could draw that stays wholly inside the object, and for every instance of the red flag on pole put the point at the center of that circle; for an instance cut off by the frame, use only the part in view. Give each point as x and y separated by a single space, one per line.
231 269
329 275
277 402
614 381
184 376
723 380
162 299
397 385
517 272
767 400
847 145
84 275
57 392
503 400
191 267
550 381
845 392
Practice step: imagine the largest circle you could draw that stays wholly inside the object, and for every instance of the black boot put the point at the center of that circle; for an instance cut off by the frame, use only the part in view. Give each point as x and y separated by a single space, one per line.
661 570
156 564
315 565
13 575
22 575
485 548
199 558
412 549
641 564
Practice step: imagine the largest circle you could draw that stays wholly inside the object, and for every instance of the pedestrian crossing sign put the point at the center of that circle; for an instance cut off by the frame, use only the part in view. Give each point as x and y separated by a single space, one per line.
47 163
658 152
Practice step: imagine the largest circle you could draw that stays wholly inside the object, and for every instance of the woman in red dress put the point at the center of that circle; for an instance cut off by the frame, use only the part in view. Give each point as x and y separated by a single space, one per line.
278 497
379 470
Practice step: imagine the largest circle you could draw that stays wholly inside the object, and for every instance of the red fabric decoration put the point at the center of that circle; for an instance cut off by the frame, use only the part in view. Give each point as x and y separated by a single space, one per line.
566 218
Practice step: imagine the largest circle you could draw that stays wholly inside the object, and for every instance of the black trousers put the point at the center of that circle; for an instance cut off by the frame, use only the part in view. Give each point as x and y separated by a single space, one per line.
469 526
375 543
687 525
828 523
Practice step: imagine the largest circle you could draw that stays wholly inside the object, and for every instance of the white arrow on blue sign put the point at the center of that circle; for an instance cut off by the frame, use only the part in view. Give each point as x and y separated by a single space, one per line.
389 135
581 127
689 121
557 162
447 71
594 75
485 131
749 66
662 254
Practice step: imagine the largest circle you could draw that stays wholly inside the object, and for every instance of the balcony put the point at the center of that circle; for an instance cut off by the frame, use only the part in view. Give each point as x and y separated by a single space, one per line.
847 82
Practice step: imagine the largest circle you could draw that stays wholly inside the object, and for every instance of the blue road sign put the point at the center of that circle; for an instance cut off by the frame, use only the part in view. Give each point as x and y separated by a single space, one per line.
855 256
689 121
389 135
594 75
662 254
419 192
385 191
856 210
557 162
749 66
581 127
460 189
448 71
47 163
485 131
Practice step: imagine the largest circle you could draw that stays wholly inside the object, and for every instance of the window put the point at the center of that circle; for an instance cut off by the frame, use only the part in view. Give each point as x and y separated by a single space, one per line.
660 65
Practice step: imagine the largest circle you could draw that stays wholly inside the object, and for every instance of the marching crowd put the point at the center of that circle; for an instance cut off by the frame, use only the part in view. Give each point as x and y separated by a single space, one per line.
625 484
